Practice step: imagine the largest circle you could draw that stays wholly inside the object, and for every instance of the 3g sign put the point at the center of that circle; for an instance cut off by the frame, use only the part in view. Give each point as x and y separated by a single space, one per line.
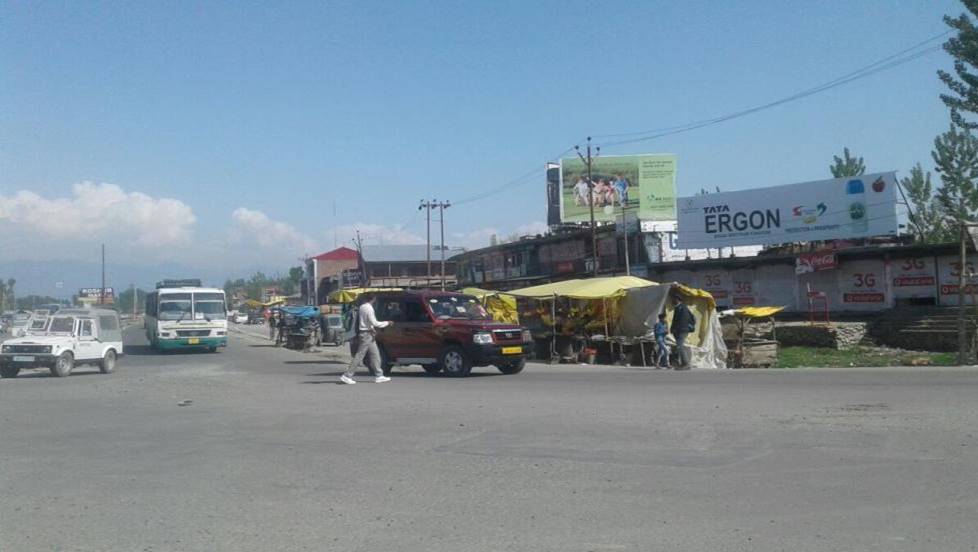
711 280
913 264
864 279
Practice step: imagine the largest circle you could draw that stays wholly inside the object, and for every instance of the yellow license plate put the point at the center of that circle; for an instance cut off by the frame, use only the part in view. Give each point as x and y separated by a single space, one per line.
193 341
512 350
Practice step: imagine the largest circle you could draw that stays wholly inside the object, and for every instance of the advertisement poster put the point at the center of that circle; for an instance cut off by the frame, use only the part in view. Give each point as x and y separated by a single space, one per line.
949 270
642 183
814 262
913 278
862 284
841 208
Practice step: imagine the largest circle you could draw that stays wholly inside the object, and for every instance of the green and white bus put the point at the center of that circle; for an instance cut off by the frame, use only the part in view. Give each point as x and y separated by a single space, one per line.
180 314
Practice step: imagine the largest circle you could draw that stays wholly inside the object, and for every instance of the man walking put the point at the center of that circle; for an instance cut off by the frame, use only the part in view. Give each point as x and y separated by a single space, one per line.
683 323
366 328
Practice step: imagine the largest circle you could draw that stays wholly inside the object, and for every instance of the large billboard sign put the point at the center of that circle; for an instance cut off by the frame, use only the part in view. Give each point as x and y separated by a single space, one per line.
642 183
841 208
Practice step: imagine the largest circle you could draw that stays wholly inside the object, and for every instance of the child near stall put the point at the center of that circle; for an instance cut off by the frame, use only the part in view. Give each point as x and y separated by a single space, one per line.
660 331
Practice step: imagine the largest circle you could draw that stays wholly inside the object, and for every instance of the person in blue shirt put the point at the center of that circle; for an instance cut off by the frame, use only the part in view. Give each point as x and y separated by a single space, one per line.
660 331
621 188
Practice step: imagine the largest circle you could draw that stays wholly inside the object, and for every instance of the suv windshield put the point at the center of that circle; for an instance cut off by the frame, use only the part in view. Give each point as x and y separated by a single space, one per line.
174 306
455 307
62 324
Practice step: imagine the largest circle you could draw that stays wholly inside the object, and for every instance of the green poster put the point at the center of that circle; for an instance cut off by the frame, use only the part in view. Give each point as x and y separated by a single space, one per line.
646 183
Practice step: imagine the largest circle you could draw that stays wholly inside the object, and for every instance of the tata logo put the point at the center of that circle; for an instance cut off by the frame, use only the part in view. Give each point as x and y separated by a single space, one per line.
716 209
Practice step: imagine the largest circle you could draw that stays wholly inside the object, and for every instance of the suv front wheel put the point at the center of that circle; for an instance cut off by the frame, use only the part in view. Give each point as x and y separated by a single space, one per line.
514 367
63 365
454 362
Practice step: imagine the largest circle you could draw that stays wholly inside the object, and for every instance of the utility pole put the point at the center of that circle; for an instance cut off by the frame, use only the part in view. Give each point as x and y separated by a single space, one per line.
133 286
962 332
590 199
624 224
428 205
360 263
101 298
442 205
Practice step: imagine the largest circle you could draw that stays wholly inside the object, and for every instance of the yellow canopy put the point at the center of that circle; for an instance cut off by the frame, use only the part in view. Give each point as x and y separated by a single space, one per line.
591 288
251 303
502 307
758 312
350 295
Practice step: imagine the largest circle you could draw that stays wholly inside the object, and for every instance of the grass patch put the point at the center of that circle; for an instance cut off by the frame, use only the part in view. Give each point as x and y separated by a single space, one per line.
813 357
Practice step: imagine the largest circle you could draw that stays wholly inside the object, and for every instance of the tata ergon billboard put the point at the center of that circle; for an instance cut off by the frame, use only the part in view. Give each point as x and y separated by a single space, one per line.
852 207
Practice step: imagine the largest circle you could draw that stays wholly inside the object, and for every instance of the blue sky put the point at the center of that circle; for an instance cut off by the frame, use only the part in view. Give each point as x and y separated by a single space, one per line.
259 117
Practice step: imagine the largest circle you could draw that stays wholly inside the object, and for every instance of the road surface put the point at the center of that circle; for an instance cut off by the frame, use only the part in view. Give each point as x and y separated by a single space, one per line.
272 454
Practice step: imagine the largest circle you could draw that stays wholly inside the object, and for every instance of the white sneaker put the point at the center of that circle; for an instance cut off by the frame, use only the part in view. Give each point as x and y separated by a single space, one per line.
381 379
347 379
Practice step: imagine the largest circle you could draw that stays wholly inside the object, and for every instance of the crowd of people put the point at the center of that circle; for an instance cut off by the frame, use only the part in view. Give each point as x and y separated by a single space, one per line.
604 192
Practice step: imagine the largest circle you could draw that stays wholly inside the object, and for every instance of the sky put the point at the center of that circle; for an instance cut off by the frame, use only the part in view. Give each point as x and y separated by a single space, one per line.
230 135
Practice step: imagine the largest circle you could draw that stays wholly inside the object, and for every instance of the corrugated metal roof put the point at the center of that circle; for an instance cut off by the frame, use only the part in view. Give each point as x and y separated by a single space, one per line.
405 253
340 254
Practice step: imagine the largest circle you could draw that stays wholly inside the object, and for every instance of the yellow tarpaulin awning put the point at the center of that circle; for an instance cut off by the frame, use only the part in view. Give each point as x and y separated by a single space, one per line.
350 295
758 312
502 307
591 288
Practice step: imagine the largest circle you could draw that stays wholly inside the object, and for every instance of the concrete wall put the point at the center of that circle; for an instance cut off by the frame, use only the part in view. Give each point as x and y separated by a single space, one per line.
857 285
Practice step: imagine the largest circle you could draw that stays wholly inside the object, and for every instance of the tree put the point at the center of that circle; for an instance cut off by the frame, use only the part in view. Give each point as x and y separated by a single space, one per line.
963 47
847 165
956 158
3 295
11 297
123 301
928 222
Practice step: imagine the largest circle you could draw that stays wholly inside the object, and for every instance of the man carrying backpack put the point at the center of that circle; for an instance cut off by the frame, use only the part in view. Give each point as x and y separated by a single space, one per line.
683 324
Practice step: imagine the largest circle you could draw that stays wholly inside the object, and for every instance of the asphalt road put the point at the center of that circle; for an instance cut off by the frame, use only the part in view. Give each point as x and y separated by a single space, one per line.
272 454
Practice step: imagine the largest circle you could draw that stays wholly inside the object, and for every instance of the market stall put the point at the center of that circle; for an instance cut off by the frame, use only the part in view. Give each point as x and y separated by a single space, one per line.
501 306
344 296
617 314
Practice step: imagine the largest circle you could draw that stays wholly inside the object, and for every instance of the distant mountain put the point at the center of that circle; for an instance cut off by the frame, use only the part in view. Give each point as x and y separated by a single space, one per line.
63 279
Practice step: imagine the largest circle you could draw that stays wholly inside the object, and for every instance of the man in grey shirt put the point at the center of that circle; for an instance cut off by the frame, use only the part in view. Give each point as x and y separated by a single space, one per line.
366 328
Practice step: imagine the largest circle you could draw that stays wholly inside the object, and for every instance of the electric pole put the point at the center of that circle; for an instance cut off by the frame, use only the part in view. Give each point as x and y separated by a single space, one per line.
360 263
624 224
428 205
442 205
101 298
590 199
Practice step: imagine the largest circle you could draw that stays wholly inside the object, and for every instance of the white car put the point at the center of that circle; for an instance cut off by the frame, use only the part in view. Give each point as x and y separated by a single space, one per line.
71 337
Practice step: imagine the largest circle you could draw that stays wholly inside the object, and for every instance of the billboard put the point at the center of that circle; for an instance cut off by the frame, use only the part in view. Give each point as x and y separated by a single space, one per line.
553 194
852 207
92 295
646 183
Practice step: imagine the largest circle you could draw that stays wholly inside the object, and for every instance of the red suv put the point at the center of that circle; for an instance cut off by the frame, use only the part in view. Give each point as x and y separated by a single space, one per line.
447 332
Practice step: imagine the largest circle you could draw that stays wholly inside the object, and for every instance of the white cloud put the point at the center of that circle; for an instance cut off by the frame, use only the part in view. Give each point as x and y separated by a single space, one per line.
94 211
375 234
482 237
254 228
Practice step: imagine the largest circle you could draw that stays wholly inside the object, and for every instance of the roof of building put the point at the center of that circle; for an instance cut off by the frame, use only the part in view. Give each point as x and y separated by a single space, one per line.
406 253
339 254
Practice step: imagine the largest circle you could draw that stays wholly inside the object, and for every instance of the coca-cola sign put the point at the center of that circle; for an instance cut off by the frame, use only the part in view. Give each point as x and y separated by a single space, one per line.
814 262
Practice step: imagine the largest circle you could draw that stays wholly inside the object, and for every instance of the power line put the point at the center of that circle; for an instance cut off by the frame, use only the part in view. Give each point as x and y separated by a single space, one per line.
894 60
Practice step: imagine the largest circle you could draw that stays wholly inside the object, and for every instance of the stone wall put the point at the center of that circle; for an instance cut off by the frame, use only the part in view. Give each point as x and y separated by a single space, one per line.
839 335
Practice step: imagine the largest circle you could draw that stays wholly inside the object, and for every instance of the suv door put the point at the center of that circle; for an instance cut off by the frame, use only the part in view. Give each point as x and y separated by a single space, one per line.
422 340
88 345
391 338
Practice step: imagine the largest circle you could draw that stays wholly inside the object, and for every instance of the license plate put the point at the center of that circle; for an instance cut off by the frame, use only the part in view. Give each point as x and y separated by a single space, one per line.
512 350
23 359
193 341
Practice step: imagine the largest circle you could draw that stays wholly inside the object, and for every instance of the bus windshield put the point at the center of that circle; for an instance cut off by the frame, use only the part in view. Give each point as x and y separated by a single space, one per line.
174 306
209 306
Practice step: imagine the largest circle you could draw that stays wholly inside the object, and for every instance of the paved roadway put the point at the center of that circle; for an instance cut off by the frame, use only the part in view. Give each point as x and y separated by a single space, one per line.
272 454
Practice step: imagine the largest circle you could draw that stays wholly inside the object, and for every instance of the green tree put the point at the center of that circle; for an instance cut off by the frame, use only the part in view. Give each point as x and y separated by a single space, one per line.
3 295
124 301
927 218
956 158
11 296
963 47
847 165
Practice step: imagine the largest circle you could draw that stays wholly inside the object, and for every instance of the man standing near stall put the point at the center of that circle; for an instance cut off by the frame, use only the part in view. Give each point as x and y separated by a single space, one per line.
683 323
